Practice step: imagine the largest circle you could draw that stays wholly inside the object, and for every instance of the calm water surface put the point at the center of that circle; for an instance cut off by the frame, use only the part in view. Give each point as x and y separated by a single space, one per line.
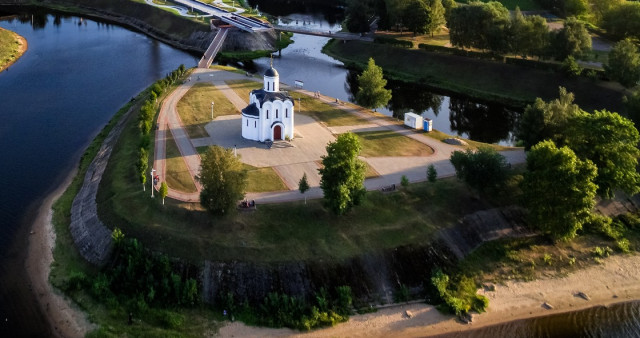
53 101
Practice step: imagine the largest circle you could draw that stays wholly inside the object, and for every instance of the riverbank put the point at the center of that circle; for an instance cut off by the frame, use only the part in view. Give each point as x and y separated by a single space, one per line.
512 85
616 280
12 46
65 318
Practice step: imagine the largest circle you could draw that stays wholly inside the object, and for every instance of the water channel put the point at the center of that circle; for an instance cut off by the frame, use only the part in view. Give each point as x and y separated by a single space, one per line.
75 76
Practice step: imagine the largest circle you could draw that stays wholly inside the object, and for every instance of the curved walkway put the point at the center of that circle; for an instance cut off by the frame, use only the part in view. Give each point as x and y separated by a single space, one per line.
391 169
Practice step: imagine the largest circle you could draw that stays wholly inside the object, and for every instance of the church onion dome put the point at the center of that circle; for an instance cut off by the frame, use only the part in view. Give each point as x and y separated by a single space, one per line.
251 110
263 96
271 72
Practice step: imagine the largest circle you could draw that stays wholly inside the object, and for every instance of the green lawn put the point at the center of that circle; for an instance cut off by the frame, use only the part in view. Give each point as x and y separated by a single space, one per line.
389 143
263 179
195 108
10 46
178 176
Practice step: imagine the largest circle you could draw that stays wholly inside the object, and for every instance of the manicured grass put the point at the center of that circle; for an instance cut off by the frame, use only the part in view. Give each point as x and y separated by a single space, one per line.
263 179
195 108
525 5
438 39
10 48
321 111
390 143
489 80
178 176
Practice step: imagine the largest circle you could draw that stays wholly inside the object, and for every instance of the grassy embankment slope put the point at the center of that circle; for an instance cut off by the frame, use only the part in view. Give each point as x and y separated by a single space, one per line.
488 80
12 46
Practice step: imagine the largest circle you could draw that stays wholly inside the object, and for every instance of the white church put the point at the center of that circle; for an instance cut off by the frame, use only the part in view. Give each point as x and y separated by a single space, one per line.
269 115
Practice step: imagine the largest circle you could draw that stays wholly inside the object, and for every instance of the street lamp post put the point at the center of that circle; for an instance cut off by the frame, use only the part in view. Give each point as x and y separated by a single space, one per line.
212 110
152 171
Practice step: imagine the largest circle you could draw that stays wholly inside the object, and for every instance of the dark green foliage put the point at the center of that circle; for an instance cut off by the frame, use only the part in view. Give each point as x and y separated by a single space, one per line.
632 106
404 181
610 141
416 16
558 190
458 296
281 310
223 179
402 295
371 91
547 121
303 185
624 63
623 21
144 278
342 175
432 174
483 169
570 67
142 165
357 14
479 25
573 39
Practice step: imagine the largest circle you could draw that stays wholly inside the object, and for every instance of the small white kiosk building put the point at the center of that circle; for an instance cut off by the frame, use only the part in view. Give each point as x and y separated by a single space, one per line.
269 115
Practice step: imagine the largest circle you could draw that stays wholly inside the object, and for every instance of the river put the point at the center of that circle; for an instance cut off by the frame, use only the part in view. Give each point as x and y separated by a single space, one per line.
77 74
53 101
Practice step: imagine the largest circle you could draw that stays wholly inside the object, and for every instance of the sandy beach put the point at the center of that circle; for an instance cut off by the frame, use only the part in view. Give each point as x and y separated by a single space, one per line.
616 280
65 319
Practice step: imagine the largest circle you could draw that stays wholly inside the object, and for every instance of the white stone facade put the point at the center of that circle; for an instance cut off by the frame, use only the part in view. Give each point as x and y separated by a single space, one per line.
269 115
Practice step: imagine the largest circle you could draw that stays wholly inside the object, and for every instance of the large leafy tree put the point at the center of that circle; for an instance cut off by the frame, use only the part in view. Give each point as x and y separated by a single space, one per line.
624 63
599 8
558 190
573 39
371 91
417 16
547 120
623 21
609 141
342 174
223 180
482 170
436 16
632 106
479 25
358 13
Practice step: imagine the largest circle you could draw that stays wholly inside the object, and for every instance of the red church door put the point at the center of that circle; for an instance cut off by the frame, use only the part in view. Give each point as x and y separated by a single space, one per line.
277 133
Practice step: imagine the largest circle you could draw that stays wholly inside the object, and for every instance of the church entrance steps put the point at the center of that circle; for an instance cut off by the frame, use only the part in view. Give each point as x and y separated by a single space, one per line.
282 144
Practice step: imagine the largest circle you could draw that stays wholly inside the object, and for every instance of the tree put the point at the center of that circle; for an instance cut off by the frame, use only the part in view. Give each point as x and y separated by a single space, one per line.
436 16
632 106
544 121
164 191
558 190
577 8
303 186
432 174
599 8
624 63
482 169
357 15
610 141
480 25
623 21
342 174
223 180
371 91
570 67
416 16
572 39
142 165
448 6
404 181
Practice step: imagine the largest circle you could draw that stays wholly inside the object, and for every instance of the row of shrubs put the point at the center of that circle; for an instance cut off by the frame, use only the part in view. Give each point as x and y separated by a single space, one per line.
145 120
393 41
282 310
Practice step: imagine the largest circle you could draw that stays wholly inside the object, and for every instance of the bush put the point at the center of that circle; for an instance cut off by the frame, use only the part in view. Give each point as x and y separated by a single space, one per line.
623 245
404 181
570 67
601 252
432 174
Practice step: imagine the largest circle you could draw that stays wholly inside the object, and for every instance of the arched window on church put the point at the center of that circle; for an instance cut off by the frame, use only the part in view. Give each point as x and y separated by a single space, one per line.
276 113
255 124
267 114
247 122
268 84
286 113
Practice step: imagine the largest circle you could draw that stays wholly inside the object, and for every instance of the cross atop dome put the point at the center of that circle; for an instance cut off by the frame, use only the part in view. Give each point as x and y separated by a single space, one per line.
271 79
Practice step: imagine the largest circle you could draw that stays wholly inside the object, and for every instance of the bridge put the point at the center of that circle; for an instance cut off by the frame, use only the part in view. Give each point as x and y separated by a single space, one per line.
245 23
327 34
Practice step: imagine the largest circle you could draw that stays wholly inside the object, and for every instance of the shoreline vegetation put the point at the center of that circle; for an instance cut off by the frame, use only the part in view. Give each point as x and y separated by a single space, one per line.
12 47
